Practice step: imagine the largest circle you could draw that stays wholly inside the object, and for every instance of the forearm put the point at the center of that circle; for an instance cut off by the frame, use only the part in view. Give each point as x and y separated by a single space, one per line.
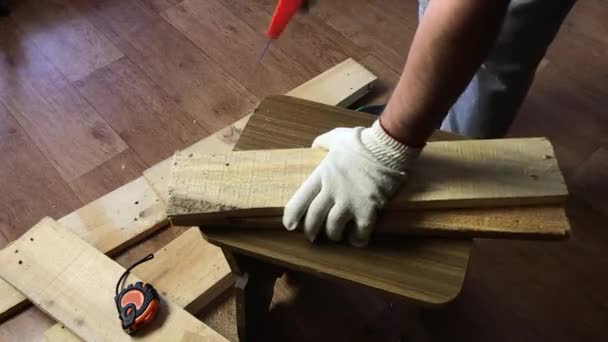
450 44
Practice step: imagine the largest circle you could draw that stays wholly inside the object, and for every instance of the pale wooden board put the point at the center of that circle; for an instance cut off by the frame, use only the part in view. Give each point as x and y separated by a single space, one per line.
457 174
74 283
109 224
219 142
341 85
189 272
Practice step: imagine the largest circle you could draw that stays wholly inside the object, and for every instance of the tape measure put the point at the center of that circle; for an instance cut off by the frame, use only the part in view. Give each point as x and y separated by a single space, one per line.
138 303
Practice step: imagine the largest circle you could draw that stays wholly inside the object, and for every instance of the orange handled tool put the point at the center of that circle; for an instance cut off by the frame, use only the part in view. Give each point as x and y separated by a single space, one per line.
137 304
283 13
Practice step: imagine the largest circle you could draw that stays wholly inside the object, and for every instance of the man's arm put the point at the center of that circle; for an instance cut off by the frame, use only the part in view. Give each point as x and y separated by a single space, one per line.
365 167
452 40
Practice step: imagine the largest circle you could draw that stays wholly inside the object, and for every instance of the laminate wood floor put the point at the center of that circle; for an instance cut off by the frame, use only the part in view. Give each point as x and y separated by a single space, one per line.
94 92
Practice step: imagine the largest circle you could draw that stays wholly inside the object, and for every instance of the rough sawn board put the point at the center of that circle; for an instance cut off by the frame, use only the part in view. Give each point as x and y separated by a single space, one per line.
457 174
74 283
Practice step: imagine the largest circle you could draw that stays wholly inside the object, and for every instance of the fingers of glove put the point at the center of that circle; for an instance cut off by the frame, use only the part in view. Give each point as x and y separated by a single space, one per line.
337 219
316 215
359 237
326 140
298 204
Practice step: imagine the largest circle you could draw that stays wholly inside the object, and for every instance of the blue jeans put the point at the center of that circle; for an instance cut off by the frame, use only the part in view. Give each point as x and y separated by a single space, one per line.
490 102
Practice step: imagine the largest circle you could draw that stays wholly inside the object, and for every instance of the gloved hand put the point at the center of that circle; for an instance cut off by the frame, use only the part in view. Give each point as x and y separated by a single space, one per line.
362 171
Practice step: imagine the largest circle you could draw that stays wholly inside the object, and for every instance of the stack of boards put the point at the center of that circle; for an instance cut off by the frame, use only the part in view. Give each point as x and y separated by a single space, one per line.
471 188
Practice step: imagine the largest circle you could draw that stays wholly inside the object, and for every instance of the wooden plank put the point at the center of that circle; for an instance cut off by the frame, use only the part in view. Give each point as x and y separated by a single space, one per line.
74 283
117 220
482 173
188 272
229 41
65 37
143 114
50 110
341 85
428 271
532 222
222 142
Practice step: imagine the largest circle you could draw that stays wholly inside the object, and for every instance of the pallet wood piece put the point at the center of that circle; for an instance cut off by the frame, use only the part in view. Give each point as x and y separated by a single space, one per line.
113 222
188 271
482 173
341 85
533 222
74 283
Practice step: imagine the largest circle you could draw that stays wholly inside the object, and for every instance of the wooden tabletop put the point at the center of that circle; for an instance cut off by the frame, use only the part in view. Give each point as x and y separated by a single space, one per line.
426 271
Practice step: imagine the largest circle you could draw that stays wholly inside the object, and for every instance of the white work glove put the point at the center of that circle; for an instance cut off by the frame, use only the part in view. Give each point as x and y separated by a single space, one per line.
362 171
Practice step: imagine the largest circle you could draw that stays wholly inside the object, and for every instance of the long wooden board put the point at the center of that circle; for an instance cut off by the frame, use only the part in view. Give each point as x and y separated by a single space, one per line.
115 220
458 174
74 283
188 272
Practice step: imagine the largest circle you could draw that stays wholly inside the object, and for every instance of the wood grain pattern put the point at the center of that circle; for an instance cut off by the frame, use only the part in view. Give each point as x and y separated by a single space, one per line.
71 281
234 45
188 272
27 192
482 173
138 109
427 271
340 85
107 177
111 223
532 222
51 111
221 141
195 82
65 37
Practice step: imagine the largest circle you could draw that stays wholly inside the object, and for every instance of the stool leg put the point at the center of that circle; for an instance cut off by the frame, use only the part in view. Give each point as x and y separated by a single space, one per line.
254 289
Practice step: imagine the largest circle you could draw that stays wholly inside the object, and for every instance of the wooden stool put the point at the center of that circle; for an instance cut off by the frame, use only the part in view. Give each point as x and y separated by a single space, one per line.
425 271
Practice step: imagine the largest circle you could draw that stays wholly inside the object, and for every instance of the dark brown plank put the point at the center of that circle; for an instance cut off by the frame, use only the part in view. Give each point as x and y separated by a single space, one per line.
112 174
234 45
59 121
306 39
31 187
197 84
64 36
143 114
